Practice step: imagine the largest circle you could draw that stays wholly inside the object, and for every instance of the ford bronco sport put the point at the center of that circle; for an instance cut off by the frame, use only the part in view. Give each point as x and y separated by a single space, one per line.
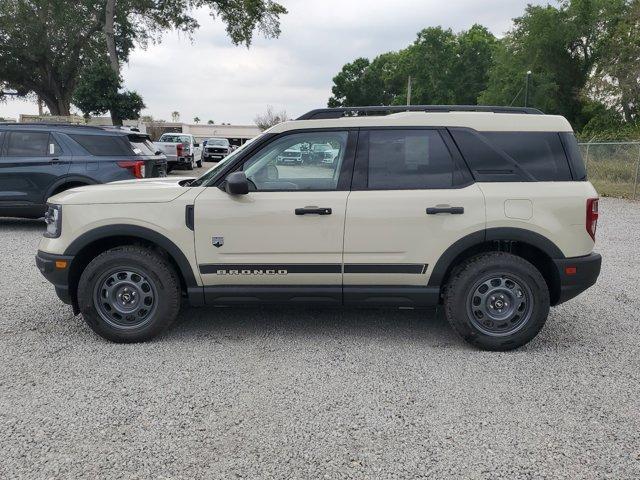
485 210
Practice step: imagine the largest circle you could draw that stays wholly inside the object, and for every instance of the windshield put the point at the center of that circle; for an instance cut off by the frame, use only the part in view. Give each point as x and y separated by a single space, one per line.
218 141
175 138
204 180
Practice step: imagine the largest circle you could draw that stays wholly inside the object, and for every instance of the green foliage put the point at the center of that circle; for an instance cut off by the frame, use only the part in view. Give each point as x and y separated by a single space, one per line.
45 44
444 68
561 46
583 55
359 83
616 82
98 92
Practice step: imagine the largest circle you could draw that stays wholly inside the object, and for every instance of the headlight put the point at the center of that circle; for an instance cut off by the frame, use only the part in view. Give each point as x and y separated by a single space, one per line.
53 219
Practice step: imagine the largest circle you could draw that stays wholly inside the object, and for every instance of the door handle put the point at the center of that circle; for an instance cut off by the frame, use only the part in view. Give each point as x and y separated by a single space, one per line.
313 211
54 161
449 210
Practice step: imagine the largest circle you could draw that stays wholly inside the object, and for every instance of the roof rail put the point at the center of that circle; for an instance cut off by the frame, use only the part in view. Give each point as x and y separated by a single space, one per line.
324 113
45 124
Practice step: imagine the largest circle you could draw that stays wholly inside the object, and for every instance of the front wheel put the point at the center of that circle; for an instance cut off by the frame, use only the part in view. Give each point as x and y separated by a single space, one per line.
497 301
129 294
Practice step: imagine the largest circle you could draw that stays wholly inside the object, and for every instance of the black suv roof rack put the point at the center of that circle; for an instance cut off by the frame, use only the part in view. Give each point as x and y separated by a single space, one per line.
72 126
46 124
324 113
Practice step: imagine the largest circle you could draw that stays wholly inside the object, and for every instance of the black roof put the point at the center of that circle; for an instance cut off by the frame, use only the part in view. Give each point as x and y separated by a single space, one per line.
324 113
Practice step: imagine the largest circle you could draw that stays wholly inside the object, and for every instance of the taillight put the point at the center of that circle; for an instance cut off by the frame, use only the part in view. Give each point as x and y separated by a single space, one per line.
592 217
180 149
135 167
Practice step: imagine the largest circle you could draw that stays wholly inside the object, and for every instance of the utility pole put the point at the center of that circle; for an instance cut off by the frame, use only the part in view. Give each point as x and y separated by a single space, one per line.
409 91
526 92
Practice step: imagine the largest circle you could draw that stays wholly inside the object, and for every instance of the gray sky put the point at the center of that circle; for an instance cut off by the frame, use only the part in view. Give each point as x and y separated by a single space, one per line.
212 79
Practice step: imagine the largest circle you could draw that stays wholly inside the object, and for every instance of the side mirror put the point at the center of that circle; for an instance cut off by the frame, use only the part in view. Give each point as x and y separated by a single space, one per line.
237 184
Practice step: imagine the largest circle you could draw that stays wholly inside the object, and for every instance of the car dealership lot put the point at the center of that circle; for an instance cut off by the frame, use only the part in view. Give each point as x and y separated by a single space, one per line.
266 393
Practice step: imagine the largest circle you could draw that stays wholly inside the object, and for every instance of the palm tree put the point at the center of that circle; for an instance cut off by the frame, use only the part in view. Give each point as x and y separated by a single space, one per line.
175 116
196 119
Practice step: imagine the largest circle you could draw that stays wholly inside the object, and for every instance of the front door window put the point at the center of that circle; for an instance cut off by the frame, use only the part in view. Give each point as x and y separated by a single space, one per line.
304 161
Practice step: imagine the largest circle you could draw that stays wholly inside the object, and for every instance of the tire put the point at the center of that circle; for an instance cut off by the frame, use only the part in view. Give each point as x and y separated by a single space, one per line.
496 301
190 164
129 273
199 163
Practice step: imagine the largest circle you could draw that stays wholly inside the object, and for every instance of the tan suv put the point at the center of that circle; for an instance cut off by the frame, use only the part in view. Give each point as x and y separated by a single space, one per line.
484 210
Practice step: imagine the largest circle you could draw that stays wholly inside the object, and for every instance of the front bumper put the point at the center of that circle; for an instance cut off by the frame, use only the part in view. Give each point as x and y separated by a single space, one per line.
576 275
50 265
214 156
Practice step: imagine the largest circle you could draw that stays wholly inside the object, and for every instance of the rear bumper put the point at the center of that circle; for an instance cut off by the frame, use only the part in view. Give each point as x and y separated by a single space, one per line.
577 274
59 277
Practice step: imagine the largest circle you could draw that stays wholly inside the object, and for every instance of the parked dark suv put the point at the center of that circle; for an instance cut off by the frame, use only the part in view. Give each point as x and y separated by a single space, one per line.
39 160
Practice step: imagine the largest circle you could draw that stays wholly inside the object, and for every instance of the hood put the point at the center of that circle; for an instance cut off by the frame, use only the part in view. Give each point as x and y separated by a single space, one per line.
147 190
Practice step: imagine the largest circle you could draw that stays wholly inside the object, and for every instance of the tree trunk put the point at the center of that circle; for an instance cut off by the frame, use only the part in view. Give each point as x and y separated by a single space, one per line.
56 106
109 33
117 122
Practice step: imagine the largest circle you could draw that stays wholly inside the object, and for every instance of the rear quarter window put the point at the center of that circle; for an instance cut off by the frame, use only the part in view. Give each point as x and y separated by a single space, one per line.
513 156
540 154
104 145
141 145
576 161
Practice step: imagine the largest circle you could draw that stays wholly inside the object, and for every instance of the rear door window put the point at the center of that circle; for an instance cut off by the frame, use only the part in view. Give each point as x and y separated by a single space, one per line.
27 144
104 145
409 159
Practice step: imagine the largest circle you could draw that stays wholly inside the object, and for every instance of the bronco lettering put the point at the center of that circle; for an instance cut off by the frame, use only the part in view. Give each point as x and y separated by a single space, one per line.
251 272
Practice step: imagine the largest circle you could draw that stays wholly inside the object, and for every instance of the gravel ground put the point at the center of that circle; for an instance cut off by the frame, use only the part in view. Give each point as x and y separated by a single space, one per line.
286 393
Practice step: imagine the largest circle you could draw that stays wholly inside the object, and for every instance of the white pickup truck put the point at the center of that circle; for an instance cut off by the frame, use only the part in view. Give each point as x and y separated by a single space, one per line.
181 150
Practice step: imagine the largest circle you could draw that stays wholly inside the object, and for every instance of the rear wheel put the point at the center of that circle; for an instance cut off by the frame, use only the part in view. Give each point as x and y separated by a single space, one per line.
129 294
199 163
190 164
497 301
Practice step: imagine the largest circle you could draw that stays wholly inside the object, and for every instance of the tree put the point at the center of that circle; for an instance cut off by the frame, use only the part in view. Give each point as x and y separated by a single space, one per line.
561 46
270 118
616 80
210 122
175 116
444 68
196 120
45 44
475 50
99 92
